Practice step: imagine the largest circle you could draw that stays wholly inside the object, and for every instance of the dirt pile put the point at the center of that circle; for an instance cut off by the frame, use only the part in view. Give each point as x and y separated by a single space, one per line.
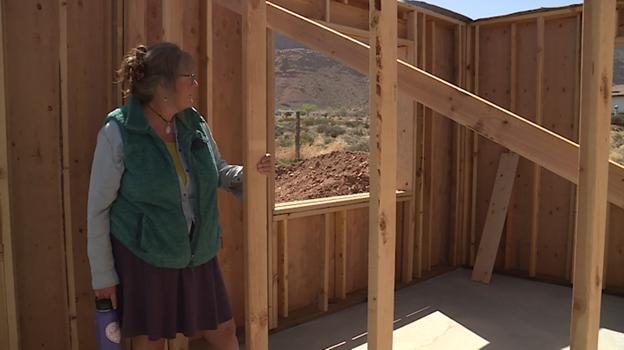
333 174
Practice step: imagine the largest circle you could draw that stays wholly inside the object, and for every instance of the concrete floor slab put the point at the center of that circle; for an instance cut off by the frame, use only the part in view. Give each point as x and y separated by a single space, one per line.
451 312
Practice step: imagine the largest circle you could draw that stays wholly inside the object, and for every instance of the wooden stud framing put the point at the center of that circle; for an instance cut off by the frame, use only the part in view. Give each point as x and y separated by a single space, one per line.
409 214
207 50
328 232
577 111
513 90
446 98
282 253
475 155
429 141
537 169
66 148
272 251
456 239
495 221
9 327
382 220
469 72
420 153
341 254
552 14
255 222
328 11
597 77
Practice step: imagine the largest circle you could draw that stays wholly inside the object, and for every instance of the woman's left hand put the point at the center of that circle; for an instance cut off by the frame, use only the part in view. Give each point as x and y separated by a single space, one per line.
265 164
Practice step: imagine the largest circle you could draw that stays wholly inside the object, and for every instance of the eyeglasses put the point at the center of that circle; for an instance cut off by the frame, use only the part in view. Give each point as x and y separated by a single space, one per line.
192 76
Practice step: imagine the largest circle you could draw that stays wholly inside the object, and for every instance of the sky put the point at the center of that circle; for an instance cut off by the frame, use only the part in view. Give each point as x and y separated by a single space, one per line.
476 9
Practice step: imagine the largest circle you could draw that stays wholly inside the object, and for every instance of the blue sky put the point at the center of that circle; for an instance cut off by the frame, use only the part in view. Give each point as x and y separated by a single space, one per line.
476 9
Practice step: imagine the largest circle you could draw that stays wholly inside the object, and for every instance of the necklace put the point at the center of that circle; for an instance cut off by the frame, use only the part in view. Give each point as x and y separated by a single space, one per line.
168 122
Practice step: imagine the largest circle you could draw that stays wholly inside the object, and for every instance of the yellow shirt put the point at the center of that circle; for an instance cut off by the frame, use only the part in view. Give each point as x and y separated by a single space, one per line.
171 146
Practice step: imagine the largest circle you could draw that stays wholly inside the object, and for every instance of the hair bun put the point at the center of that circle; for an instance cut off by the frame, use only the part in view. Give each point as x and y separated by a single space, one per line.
136 63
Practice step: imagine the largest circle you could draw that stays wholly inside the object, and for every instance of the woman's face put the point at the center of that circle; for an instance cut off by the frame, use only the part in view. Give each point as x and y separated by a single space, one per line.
185 88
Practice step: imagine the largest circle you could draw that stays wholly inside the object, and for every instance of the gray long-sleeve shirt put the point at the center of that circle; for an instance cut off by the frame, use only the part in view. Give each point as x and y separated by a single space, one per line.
106 172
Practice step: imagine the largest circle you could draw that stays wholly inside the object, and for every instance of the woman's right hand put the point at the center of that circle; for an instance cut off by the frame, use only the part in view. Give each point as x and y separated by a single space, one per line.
107 293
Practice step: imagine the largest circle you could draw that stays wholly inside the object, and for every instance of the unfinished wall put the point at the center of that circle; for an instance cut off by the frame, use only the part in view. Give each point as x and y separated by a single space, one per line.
531 64
58 98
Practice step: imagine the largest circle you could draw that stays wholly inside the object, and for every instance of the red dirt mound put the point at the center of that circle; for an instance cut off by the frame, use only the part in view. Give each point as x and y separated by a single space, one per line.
334 174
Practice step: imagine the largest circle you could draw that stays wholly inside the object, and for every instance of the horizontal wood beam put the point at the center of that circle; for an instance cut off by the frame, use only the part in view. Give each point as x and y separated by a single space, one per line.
531 141
550 14
619 40
302 209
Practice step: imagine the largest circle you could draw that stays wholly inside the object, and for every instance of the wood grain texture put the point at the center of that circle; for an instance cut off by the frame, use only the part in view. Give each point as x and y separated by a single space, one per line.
596 82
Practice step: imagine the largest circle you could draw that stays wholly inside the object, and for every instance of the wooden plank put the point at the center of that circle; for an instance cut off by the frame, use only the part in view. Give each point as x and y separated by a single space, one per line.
228 132
306 246
559 115
420 151
469 72
475 153
575 132
357 249
9 326
255 222
568 11
328 10
518 228
359 34
457 160
428 143
37 227
615 250
173 22
154 22
274 286
206 61
64 47
597 77
481 116
537 171
272 252
309 206
407 268
382 163
135 32
513 106
494 85
341 254
441 150
495 221
81 117
282 253
328 234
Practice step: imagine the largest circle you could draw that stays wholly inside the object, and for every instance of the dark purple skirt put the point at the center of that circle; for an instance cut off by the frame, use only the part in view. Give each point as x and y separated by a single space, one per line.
160 302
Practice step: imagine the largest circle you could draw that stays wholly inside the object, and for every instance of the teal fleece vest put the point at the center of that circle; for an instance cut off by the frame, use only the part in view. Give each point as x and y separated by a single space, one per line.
147 215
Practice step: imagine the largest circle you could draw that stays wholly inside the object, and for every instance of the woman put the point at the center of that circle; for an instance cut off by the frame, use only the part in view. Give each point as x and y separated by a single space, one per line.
153 228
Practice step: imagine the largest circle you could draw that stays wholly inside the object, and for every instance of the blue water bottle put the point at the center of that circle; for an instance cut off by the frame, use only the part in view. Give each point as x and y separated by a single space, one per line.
107 326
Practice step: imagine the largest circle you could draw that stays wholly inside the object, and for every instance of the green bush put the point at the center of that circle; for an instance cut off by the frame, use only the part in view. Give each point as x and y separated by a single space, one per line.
285 141
331 130
307 138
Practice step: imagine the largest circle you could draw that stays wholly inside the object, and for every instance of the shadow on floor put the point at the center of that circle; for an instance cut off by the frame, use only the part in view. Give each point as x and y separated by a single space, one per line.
452 312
